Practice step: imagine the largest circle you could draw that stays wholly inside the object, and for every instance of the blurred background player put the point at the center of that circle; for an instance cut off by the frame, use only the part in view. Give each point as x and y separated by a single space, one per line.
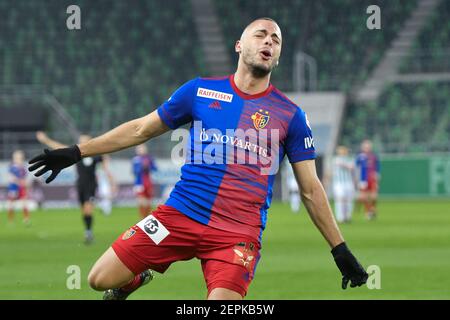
107 188
343 181
143 165
368 166
294 194
17 188
86 180
37 193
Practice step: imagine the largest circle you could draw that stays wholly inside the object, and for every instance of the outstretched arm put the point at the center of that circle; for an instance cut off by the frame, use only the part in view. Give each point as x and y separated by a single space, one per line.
316 202
128 134
44 139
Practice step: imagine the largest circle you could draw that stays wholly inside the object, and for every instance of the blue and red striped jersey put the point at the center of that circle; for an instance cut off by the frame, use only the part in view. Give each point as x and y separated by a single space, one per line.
18 172
142 165
368 165
235 145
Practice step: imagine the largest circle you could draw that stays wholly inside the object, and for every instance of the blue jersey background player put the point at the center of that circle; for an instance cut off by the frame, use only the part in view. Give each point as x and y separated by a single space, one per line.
143 165
368 166
17 187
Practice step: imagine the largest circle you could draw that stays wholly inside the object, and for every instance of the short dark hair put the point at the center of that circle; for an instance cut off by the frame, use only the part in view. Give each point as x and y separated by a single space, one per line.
262 18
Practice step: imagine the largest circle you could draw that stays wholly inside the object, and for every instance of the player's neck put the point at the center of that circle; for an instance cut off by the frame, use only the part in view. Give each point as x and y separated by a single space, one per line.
247 83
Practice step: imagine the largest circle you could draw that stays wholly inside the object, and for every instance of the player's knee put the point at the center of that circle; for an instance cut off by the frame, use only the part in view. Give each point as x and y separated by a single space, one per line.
93 280
97 281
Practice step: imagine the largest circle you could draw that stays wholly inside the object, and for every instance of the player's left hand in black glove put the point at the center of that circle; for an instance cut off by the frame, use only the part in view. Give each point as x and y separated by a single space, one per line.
350 268
55 160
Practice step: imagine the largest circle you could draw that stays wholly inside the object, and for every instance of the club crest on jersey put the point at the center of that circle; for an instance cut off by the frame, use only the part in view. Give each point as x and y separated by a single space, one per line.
260 119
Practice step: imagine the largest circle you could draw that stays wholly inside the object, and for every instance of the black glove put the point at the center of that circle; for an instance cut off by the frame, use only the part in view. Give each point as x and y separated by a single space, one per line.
55 160
350 268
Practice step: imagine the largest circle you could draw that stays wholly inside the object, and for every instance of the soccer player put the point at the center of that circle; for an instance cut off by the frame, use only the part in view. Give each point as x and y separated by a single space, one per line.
368 166
106 189
218 210
143 165
86 180
343 184
17 187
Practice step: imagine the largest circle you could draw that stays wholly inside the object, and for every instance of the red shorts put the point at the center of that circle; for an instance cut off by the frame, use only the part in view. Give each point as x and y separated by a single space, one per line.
228 259
143 191
370 186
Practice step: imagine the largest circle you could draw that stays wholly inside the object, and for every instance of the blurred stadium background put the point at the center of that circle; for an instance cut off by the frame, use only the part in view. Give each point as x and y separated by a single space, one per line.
390 85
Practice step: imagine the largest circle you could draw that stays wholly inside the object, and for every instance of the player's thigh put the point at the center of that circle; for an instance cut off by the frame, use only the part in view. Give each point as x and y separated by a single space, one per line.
224 294
109 272
362 195
228 259
225 280
87 207
142 200
158 240
373 195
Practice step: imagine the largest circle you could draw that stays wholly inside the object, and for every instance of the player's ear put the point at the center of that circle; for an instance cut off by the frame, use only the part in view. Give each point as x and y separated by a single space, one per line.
237 46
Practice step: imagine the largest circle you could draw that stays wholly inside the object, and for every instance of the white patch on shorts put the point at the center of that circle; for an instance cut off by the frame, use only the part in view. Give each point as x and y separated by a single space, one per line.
153 228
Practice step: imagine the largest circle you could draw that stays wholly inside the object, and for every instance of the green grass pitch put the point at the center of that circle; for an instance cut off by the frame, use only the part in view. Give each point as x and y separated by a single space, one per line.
410 242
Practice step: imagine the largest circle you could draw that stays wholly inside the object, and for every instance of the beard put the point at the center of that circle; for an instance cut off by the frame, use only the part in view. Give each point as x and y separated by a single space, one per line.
258 70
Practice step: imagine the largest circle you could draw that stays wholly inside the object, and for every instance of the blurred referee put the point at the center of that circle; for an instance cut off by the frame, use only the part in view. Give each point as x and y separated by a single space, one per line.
86 181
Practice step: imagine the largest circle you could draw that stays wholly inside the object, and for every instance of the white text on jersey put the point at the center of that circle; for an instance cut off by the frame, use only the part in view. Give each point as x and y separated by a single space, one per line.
211 94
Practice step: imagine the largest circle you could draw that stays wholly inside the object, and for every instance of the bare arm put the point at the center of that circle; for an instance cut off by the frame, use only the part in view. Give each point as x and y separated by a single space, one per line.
128 134
316 202
44 139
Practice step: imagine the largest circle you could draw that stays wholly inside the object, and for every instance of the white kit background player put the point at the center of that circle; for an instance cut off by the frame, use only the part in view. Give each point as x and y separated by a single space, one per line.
107 189
343 184
292 187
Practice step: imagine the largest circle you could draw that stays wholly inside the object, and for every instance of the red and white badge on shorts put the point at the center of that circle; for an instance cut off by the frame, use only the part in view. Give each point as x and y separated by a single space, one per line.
153 228
245 254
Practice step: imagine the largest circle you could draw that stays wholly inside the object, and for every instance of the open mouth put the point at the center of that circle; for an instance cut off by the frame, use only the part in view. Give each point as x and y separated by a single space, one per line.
266 54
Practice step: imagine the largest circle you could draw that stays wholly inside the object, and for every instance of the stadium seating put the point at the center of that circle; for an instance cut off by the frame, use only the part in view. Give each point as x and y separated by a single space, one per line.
431 51
406 118
333 32
125 60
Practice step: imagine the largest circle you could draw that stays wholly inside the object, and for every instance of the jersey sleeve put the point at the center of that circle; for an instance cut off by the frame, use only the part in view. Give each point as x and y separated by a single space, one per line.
299 142
177 110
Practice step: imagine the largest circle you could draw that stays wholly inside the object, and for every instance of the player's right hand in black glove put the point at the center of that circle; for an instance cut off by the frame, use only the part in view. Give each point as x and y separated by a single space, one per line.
350 268
55 160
